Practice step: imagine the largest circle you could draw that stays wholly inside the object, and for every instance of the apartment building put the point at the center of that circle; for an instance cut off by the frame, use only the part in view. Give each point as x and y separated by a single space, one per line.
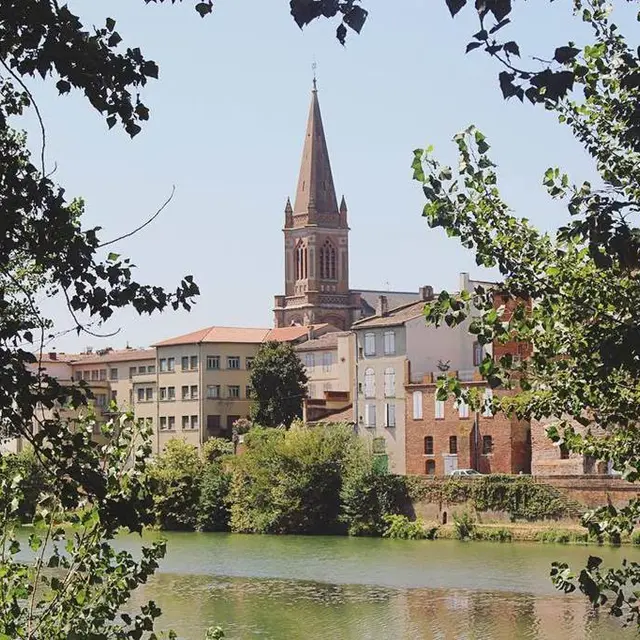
203 380
442 436
394 348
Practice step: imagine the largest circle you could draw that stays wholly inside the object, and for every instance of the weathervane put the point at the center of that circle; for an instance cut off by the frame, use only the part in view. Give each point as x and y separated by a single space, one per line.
314 66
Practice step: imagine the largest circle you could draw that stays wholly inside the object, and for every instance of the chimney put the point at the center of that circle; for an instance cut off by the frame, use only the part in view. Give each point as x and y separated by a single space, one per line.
53 355
311 332
426 292
382 308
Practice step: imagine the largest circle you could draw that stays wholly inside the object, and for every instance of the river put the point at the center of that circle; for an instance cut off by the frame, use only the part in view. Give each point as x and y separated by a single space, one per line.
308 588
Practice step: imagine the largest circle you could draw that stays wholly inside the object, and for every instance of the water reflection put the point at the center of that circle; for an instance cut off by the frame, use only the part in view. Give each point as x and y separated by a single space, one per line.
281 609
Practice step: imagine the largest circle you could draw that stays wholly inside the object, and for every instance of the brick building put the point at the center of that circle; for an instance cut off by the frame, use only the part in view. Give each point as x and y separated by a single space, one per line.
442 436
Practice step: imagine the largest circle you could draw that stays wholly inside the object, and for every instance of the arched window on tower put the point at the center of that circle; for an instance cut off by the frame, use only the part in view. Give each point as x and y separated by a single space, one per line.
328 267
301 261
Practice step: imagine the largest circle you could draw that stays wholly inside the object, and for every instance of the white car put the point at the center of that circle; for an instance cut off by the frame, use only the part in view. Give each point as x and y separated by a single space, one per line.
464 473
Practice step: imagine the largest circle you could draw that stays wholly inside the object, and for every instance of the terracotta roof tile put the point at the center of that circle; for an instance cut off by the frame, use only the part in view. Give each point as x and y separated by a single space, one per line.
295 332
218 334
326 341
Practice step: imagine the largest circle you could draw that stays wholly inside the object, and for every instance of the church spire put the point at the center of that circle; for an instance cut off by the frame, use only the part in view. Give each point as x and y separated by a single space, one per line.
316 193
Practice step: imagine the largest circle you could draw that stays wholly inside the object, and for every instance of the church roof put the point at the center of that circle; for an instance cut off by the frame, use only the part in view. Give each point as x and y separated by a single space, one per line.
315 193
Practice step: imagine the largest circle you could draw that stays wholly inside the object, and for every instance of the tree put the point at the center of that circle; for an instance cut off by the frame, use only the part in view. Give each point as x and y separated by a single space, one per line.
278 385
573 294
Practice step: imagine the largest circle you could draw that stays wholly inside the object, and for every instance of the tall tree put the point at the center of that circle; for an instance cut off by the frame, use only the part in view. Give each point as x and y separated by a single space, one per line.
584 372
278 385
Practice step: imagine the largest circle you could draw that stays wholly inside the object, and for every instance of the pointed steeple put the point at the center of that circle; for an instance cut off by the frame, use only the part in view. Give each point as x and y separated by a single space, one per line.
287 208
316 193
343 205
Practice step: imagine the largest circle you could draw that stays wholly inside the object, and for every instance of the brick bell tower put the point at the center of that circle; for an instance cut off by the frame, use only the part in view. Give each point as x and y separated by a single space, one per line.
316 242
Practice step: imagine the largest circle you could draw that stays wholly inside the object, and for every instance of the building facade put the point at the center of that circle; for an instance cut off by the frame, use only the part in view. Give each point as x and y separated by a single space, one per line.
444 435
394 348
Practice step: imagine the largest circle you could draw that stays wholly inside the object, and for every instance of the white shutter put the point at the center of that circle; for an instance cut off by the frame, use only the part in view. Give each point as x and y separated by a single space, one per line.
439 409
417 405
488 397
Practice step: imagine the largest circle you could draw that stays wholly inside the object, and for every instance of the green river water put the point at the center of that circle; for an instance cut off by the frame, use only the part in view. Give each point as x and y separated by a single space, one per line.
295 587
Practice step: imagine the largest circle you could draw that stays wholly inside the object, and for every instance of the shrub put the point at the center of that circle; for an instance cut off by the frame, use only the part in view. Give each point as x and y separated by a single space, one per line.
635 537
562 536
368 496
213 503
290 481
34 480
494 535
216 448
399 526
464 526
174 478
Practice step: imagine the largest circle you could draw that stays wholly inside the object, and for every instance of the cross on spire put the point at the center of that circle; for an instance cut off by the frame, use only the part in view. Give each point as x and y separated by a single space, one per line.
314 66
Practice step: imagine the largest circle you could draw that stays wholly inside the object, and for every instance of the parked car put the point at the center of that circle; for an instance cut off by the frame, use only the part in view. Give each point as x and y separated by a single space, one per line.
464 473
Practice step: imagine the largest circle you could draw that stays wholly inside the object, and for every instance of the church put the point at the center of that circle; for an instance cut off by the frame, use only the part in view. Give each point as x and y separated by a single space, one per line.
316 246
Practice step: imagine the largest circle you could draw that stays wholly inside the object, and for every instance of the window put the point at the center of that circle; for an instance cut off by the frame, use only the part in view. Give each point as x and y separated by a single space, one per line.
185 392
327 261
486 401
101 399
487 445
389 342
95 374
194 362
430 467
439 409
213 362
163 423
185 367
142 369
230 421
369 344
149 422
149 394
185 422
249 362
213 391
369 383
140 394
463 409
233 362
428 445
301 261
327 361
311 390
213 423
233 391
163 393
171 365
133 371
194 422
478 354
417 405
194 391
390 414
114 396
113 374
389 382
370 415
172 423
453 445
309 360
103 374
247 391
171 392
564 452
151 368
163 365
86 374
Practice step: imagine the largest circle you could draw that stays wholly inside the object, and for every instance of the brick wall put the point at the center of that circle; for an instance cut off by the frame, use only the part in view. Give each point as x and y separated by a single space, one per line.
510 452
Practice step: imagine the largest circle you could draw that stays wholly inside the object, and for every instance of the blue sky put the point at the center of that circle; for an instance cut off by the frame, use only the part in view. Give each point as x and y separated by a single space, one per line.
228 115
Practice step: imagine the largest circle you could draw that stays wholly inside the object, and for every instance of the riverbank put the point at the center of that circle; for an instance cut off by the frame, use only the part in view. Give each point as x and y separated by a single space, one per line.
525 532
